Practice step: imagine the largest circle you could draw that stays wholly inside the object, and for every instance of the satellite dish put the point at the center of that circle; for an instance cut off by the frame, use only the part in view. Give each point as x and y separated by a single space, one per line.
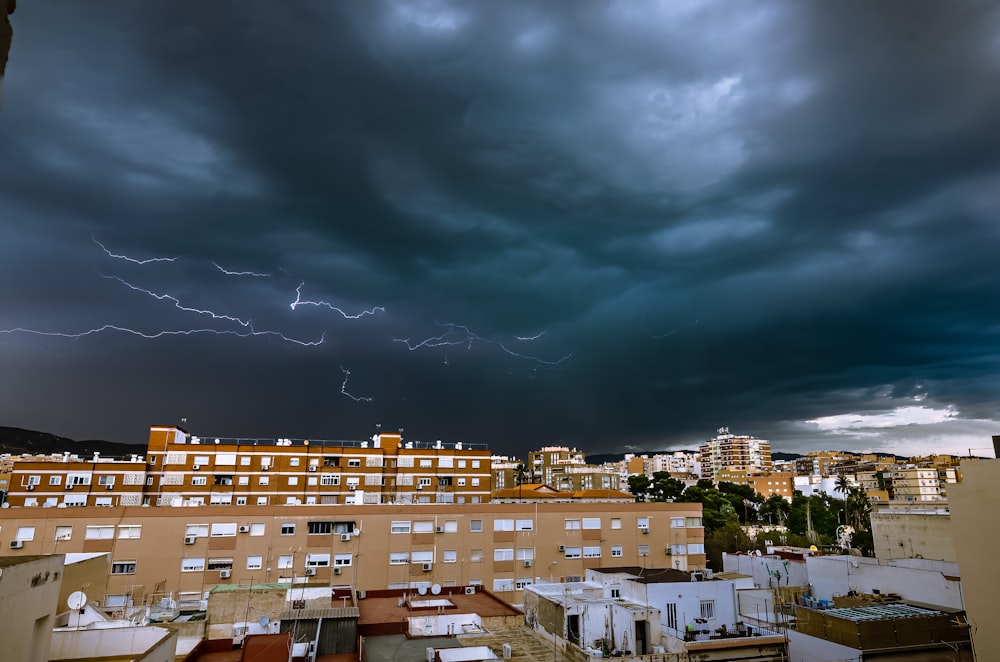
76 600
263 621
422 590
436 589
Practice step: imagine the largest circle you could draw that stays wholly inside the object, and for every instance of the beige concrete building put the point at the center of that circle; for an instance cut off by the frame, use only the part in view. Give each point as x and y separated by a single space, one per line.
29 593
185 551
975 504
901 531
567 470
730 451
781 483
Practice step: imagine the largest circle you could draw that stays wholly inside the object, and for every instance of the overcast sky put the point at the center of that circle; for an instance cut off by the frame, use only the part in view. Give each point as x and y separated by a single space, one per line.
611 225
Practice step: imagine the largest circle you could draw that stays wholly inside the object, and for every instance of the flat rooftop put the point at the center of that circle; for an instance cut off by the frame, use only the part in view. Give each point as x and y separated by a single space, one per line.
881 612
384 606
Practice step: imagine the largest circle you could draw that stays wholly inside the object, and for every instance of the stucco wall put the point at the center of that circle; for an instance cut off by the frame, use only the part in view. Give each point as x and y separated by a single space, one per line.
901 534
836 575
29 592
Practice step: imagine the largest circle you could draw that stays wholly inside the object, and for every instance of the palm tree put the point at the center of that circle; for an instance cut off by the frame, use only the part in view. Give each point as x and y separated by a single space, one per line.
843 485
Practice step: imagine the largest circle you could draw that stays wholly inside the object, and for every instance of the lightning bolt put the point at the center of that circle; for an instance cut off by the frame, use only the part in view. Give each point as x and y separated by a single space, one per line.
132 259
530 338
160 334
458 334
178 305
323 304
253 274
343 387
642 325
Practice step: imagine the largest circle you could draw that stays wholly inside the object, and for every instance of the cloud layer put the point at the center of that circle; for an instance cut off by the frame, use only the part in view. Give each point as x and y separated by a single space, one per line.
605 224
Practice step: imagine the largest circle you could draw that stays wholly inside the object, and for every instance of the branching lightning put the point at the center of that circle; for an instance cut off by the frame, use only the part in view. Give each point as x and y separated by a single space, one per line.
661 336
161 334
530 338
178 305
324 304
132 259
343 387
458 334
252 274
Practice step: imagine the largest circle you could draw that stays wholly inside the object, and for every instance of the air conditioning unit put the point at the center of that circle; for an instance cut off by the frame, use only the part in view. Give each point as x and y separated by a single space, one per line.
362 595
16 544
265 467
470 590
224 574
439 529
312 467
336 570
667 551
527 563
311 572
427 567
244 529
109 487
69 486
562 548
644 529
195 467
419 487
29 487
345 537
189 540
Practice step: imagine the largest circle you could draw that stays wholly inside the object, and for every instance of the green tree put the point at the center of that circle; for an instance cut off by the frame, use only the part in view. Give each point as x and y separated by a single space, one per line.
638 485
775 509
728 538
665 488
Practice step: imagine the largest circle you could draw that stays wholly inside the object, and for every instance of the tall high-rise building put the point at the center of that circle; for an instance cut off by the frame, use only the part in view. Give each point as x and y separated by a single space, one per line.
730 451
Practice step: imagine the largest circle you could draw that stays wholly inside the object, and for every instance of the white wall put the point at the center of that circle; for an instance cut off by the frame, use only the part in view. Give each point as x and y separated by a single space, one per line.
830 575
763 569
437 625
805 648
160 643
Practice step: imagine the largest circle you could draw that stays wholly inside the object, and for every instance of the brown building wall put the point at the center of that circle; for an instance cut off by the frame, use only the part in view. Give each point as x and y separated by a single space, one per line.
463 552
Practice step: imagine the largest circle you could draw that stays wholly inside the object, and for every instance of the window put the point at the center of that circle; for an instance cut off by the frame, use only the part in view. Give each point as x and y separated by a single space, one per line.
643 550
27 533
694 521
475 482
426 464
255 562
461 464
446 462
262 501
257 529
676 522
522 582
288 528
329 480
220 564
672 615
55 480
199 480
317 560
451 526
616 522
593 552
293 480
573 552
241 501
78 479
285 561
524 525
423 526
319 528
503 554
354 463
262 480
572 524
293 462
475 464
422 557
696 548
678 549
642 522
192 565
243 480
399 527
708 608
106 480
99 533
245 461
129 531
476 526
123 567
196 530
500 585
592 522
460 482
424 482
63 533
525 554
399 558
450 556
342 560
265 463
475 556
503 525
223 529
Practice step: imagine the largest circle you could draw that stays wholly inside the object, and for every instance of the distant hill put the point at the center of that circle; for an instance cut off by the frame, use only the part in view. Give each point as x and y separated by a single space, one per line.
17 441
600 458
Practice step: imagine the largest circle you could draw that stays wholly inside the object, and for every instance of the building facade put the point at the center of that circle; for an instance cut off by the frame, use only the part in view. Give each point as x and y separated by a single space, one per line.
188 550
730 451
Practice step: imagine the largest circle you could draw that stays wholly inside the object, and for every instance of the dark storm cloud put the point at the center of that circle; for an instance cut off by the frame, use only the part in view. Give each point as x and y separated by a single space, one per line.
648 219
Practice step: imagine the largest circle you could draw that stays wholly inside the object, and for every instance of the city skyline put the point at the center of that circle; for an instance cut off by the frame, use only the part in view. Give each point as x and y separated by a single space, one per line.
610 226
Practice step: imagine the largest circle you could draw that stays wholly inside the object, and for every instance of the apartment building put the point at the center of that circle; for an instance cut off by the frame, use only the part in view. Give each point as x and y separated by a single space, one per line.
508 472
504 547
781 483
729 451
567 470
820 463
182 469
